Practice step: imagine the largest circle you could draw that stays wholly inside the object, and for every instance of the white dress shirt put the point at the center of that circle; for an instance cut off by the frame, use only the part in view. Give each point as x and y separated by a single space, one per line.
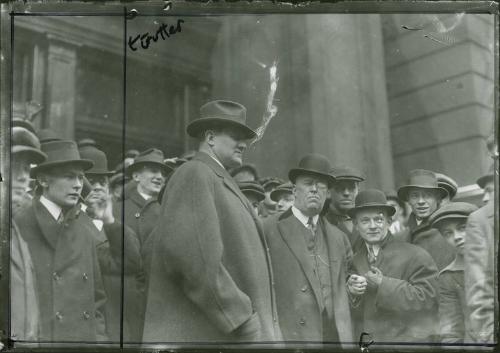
54 209
303 218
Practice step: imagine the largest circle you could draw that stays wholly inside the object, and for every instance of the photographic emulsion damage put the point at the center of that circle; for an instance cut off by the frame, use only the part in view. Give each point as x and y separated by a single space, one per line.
249 175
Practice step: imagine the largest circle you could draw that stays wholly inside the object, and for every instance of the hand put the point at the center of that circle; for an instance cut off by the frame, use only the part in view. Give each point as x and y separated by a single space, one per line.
374 277
100 206
356 285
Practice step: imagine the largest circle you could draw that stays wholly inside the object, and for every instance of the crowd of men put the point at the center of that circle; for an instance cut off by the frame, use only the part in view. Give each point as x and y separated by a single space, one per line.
202 250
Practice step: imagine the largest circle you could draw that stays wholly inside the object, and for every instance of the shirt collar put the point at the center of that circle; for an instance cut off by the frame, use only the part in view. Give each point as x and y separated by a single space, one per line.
98 224
144 196
375 247
302 217
215 159
54 209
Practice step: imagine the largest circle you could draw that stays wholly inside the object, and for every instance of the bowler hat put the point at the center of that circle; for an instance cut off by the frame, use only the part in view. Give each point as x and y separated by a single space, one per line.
423 179
98 157
151 156
252 188
371 198
447 183
489 176
220 112
343 172
48 135
24 141
60 153
314 164
452 210
19 122
286 188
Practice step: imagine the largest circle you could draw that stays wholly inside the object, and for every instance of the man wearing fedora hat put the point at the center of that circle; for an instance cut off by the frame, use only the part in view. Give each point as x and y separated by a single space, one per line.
479 258
342 195
309 257
451 221
63 248
424 196
210 278
394 281
109 249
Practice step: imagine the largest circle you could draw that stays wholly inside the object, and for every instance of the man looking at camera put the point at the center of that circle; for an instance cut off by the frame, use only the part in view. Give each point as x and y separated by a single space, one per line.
210 278
310 257
394 284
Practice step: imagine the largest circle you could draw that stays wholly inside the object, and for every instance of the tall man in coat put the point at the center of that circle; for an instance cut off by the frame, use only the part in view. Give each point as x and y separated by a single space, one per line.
210 278
63 249
395 282
310 257
424 196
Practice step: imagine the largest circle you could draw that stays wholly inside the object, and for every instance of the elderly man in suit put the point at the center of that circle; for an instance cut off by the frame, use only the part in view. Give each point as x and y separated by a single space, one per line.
210 277
310 257
63 249
480 261
394 281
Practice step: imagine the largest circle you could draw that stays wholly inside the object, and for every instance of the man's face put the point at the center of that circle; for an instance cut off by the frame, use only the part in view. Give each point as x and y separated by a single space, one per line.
423 202
228 146
310 194
100 186
343 194
63 185
20 168
253 200
372 224
285 201
489 192
149 179
453 230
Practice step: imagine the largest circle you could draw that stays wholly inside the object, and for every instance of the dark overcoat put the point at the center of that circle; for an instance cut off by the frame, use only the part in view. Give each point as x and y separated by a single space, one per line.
404 306
431 241
336 220
210 277
297 293
479 256
69 283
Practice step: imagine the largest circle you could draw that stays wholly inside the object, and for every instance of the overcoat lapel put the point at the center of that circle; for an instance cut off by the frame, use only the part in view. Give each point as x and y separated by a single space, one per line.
333 254
50 229
292 236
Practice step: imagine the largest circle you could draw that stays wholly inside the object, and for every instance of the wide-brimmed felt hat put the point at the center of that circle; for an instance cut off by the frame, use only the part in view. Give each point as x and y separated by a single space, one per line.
19 122
48 135
253 188
221 112
99 158
343 172
423 179
286 188
24 141
313 164
60 153
371 198
452 210
150 156
447 183
489 176
245 167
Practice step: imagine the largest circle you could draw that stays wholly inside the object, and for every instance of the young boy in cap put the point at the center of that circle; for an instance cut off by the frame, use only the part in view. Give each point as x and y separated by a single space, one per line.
283 196
451 221
61 241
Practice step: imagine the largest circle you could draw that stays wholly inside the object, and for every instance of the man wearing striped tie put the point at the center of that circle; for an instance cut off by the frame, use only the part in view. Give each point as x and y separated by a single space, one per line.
395 282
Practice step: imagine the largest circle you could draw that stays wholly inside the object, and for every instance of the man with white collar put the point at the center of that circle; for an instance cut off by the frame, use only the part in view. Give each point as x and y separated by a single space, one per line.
61 241
310 257
210 278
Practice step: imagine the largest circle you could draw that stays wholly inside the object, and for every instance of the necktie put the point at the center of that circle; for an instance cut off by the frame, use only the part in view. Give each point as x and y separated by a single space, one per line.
372 258
312 229
60 219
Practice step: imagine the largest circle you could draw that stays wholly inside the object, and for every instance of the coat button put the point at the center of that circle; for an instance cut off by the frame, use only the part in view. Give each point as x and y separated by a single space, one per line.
304 289
59 316
86 315
302 322
85 277
137 215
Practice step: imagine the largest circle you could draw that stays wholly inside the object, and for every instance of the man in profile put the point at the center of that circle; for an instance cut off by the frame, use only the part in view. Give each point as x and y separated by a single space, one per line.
210 277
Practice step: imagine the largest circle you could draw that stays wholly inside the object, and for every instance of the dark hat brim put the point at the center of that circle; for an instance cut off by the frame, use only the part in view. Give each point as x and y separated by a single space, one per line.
35 155
259 195
403 191
203 124
390 209
134 166
435 222
102 173
482 181
86 164
294 173
276 193
349 177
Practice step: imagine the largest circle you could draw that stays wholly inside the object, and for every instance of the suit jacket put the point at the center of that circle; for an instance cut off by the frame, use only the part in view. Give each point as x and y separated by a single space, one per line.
210 276
431 241
69 284
297 294
480 273
404 306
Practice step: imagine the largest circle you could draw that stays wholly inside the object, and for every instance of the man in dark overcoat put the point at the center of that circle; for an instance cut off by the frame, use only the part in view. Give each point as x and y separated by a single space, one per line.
310 258
210 278
397 293
63 249
424 197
